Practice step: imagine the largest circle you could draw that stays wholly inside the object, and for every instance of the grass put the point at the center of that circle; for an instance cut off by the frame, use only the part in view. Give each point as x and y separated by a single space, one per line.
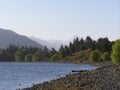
78 57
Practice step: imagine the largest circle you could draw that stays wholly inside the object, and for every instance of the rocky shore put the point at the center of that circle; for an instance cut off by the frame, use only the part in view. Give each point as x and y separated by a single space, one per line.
105 78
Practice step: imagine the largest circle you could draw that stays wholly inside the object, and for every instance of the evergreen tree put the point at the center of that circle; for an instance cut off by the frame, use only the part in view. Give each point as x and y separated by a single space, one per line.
62 51
88 42
67 51
71 48
94 45
52 52
46 52
76 44
103 44
82 44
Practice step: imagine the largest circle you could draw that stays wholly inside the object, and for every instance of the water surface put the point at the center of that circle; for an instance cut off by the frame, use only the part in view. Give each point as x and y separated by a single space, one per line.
15 75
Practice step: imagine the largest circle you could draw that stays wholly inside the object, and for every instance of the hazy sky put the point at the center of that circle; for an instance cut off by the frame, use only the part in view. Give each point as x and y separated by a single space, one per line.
62 19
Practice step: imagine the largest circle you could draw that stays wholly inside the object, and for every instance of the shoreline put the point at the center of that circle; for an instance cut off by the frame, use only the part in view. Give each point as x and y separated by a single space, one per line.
105 78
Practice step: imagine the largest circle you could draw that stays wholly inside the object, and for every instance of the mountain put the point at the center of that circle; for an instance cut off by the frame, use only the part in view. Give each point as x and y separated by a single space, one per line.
50 43
8 37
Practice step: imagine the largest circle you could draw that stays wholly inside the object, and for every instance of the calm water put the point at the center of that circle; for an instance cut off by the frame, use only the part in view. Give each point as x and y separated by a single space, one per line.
20 75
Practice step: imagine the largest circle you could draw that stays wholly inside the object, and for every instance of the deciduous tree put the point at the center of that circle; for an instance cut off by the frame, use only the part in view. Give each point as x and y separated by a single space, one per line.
116 52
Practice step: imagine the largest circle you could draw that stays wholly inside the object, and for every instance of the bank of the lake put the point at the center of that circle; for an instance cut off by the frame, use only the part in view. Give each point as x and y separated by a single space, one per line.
105 78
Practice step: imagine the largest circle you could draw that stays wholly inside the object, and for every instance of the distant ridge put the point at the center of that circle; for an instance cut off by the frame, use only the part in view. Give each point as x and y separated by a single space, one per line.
50 43
8 37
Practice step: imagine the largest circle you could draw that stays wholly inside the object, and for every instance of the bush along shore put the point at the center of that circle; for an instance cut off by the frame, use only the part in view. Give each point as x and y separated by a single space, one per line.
105 78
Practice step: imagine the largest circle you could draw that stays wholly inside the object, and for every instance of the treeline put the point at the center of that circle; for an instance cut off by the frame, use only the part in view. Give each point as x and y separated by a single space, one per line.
101 45
101 49
21 53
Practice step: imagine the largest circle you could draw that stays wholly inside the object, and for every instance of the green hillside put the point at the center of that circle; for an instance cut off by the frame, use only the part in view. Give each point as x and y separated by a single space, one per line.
78 57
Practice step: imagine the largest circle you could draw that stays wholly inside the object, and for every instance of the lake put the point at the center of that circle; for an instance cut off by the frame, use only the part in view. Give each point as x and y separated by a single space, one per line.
15 75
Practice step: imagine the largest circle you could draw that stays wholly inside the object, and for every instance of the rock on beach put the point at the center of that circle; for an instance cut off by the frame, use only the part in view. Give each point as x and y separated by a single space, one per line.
105 78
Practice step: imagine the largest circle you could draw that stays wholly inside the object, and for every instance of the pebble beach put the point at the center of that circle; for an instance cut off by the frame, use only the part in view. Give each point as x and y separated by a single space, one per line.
103 78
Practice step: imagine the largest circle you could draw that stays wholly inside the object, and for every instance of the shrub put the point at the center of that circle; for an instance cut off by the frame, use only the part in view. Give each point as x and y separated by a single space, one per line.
19 55
56 57
28 58
116 52
95 56
37 56
106 56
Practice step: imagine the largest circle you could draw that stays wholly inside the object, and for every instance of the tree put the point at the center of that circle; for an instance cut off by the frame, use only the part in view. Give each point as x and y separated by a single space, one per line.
76 44
52 52
19 55
82 44
9 53
106 56
88 42
62 51
46 52
116 52
71 48
95 56
93 45
56 57
67 51
103 44
37 56
28 58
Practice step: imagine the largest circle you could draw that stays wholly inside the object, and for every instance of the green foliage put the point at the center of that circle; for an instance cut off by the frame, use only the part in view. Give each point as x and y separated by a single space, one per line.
52 52
46 52
95 56
76 44
37 56
67 51
56 57
82 45
8 53
28 58
12 53
19 55
89 42
71 48
62 51
116 52
103 44
106 56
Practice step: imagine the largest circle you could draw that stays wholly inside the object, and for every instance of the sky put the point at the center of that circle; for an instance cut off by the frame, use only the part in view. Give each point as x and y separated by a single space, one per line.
62 19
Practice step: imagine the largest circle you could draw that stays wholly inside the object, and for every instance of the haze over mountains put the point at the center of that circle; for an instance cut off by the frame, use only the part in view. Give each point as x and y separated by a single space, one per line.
8 37
50 43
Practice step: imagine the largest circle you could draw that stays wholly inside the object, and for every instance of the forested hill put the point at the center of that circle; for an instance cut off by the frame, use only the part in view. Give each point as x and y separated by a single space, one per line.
8 37
80 49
